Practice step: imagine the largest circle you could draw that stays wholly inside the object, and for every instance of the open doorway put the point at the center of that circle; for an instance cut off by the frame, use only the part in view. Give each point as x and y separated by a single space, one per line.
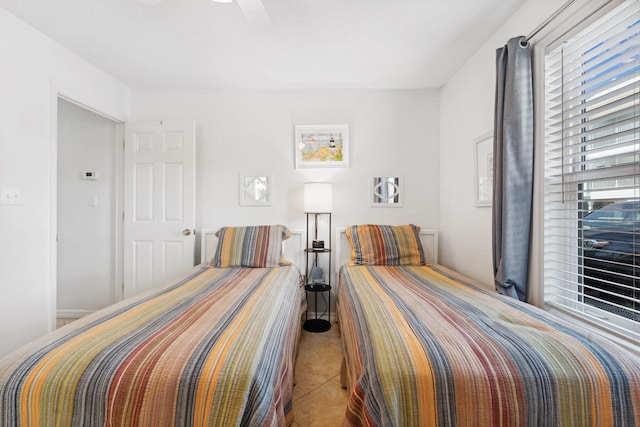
86 211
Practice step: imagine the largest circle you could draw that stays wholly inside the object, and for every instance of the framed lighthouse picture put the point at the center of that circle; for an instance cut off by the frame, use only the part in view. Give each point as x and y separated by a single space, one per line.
321 146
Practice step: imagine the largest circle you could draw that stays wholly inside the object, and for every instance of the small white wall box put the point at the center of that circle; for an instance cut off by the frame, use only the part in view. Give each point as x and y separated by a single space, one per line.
9 197
90 175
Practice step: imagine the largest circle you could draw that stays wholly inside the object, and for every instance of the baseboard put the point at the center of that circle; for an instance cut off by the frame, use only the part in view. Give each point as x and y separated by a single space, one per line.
325 316
72 314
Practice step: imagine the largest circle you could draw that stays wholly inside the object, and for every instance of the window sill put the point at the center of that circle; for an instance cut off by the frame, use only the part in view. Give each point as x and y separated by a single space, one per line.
589 326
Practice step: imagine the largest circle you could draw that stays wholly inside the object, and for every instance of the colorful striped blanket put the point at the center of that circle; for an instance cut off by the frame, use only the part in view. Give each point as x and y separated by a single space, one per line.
215 348
423 347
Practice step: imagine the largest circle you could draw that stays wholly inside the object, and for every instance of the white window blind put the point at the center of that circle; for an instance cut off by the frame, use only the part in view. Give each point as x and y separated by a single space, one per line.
592 173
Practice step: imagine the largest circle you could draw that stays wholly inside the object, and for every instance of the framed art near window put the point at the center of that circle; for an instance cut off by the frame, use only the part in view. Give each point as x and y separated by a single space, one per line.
255 190
322 146
483 156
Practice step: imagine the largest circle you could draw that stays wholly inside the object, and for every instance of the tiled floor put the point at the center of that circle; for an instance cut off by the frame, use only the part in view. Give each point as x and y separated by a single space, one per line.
318 398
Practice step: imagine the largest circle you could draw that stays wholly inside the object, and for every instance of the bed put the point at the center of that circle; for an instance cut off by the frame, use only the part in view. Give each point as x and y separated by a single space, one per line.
426 346
214 347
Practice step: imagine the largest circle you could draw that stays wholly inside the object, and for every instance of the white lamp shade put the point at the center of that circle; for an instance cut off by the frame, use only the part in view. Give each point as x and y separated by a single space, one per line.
318 197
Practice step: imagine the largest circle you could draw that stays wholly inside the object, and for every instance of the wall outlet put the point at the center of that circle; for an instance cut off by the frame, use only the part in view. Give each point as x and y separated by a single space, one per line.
9 197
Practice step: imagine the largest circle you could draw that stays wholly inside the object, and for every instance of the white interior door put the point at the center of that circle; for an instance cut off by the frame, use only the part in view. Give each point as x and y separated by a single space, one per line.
159 203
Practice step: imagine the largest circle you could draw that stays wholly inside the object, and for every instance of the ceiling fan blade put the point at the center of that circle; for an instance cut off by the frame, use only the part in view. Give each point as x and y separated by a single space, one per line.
255 13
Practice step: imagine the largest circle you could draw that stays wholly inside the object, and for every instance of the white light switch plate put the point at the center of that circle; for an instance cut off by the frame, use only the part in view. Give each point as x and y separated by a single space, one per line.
10 197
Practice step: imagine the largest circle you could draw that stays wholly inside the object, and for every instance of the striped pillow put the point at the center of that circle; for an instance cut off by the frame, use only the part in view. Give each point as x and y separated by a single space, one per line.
254 246
385 245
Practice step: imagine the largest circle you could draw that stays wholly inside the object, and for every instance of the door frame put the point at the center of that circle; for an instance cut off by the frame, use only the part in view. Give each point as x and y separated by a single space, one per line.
56 94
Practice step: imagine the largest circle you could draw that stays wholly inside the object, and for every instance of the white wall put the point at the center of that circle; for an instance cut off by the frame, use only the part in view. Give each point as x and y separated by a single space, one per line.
466 109
392 132
86 211
425 135
32 67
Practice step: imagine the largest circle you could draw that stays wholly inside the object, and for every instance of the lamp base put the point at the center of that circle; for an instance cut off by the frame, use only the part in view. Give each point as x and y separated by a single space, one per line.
317 325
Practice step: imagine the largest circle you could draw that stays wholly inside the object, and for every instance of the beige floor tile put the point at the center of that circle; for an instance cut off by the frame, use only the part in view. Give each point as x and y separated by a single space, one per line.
306 381
319 399
337 381
323 407
332 335
322 359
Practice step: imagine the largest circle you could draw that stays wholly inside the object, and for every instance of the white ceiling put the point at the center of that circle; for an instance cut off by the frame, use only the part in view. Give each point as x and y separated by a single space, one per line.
200 44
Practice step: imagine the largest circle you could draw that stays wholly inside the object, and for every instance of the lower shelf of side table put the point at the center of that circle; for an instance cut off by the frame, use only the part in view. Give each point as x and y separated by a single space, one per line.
317 325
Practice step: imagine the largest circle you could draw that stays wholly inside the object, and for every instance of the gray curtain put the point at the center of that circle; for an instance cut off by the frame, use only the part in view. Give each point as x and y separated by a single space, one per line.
513 168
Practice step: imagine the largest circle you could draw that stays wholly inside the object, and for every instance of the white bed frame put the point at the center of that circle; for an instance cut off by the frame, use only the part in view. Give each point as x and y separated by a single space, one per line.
292 248
428 238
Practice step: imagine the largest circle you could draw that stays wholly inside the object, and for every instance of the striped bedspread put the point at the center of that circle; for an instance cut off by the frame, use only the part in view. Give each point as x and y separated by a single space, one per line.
215 348
424 348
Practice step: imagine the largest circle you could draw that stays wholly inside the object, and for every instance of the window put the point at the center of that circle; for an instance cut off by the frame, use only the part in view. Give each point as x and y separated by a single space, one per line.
592 173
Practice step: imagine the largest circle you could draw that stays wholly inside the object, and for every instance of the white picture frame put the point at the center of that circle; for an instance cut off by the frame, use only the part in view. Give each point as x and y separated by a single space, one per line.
255 190
483 165
321 146
386 191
